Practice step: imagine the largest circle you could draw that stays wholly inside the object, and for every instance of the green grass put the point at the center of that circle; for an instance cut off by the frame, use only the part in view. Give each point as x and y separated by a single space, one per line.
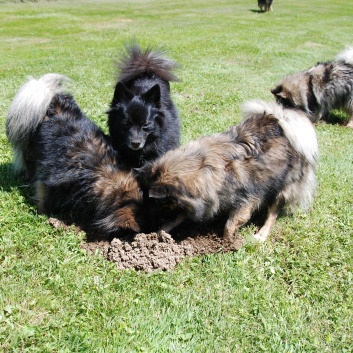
292 294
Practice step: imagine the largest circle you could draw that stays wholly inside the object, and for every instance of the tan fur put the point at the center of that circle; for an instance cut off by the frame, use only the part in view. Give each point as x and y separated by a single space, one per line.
116 184
291 88
113 188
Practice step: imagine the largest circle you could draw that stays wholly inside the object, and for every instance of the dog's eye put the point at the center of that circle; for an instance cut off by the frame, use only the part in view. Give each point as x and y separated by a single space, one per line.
145 127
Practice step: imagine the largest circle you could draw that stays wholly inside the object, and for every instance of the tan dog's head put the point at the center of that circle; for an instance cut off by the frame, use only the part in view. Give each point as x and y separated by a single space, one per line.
294 92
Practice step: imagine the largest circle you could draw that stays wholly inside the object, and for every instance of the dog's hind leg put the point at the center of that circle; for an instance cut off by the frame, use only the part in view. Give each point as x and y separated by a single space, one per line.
350 123
348 108
41 196
272 215
237 218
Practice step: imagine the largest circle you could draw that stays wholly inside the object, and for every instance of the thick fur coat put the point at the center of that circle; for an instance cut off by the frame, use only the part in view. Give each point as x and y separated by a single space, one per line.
266 162
70 160
143 120
320 89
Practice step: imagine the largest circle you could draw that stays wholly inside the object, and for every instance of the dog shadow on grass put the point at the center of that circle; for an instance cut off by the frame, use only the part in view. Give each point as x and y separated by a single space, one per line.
11 182
335 118
257 11
8 179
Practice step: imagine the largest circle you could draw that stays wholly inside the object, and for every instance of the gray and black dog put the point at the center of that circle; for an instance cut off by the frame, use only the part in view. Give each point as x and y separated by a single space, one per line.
265 5
320 89
266 162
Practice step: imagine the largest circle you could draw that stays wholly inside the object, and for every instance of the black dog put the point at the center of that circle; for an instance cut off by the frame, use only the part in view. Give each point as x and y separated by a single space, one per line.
70 161
143 120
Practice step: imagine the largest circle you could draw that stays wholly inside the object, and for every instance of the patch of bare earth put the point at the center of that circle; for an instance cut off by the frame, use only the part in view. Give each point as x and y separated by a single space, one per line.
160 251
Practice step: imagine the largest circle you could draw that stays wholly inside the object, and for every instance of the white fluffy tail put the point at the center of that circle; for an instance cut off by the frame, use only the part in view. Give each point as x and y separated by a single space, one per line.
296 126
346 56
27 110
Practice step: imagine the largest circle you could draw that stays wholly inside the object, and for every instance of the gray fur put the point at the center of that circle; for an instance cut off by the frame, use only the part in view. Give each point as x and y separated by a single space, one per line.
320 89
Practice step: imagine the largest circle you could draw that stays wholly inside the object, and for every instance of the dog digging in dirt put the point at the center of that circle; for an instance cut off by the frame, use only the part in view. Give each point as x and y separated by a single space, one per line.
70 160
267 162
143 120
322 88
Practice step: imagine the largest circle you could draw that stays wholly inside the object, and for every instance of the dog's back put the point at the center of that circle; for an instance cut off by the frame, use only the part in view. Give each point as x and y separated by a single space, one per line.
70 160
77 172
69 149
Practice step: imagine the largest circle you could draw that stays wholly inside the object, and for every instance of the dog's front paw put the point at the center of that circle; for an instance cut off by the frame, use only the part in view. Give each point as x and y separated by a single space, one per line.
260 237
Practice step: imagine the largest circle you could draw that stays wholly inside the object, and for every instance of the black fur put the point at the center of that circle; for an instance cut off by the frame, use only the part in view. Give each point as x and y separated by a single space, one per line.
143 120
76 172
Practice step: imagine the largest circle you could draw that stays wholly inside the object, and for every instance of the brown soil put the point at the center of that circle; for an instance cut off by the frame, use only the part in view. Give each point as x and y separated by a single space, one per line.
159 251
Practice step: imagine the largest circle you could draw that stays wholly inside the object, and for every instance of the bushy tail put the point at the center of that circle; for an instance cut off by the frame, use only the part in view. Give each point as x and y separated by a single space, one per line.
296 126
301 135
150 61
346 56
27 110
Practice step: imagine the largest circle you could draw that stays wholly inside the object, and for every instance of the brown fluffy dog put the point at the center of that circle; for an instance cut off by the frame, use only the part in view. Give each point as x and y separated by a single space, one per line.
320 89
267 161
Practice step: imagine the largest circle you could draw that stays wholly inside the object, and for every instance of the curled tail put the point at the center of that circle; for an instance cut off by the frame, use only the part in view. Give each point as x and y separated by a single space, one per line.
296 126
27 110
346 56
150 61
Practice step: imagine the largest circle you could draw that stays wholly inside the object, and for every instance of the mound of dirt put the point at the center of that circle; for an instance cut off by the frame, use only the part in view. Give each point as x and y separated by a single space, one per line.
148 252
159 251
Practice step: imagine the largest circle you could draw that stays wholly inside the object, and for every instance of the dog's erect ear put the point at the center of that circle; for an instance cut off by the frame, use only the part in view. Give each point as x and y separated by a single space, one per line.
278 92
122 93
153 95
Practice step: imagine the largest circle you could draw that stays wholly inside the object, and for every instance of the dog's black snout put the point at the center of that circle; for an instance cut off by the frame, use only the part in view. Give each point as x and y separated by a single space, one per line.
135 144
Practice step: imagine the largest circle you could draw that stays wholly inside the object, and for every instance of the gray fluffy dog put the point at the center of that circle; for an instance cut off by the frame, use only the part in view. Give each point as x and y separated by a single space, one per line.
320 89
266 162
